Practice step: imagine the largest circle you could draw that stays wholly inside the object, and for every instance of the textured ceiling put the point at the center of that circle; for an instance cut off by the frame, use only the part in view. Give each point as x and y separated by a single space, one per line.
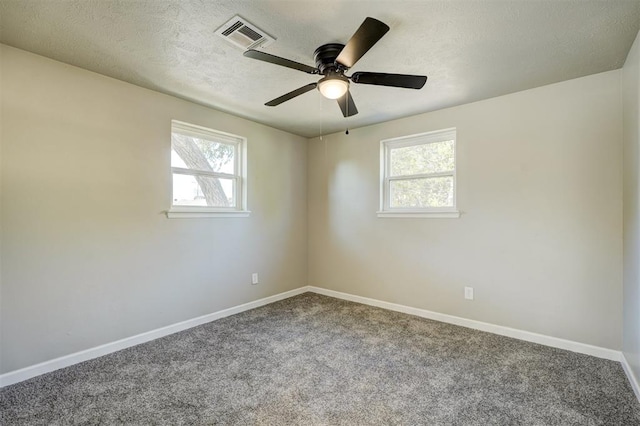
470 50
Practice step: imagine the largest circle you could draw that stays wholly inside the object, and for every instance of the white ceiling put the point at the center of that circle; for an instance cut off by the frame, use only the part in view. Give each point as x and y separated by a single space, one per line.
469 49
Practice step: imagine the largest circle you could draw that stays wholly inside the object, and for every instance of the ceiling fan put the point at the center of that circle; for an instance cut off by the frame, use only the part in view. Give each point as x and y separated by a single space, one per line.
333 60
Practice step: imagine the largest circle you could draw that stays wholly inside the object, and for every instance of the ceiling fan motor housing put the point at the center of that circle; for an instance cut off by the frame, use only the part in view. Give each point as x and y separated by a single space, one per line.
325 57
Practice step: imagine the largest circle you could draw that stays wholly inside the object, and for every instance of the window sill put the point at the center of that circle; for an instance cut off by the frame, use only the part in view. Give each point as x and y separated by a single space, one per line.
430 215
193 213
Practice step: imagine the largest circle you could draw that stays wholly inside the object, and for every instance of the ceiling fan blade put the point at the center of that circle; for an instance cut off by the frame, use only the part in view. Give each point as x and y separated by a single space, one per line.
291 95
394 80
362 40
347 105
261 56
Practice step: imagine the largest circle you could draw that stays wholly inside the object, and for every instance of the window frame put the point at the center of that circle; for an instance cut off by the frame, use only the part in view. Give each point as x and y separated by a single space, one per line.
239 176
386 146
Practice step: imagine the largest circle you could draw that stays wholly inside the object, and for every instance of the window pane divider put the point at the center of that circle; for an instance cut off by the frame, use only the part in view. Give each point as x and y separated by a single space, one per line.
192 172
422 175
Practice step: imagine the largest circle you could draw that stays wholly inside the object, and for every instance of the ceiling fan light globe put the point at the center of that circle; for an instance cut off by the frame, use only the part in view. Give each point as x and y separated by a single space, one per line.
333 88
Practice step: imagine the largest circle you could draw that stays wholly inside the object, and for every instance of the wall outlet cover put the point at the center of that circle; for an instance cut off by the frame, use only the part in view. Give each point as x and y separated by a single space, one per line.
468 293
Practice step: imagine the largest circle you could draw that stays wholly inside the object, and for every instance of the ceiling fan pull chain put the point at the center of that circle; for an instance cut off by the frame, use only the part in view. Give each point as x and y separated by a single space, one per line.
321 114
348 94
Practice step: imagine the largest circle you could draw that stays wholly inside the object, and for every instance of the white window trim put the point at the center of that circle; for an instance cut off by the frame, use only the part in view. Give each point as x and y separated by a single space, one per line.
419 139
185 212
188 212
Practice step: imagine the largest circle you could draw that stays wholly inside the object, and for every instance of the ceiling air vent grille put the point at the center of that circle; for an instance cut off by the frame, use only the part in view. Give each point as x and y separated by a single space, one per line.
241 33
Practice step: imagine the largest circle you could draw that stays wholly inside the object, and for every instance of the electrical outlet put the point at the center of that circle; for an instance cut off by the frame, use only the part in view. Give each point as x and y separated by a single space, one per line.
254 278
468 293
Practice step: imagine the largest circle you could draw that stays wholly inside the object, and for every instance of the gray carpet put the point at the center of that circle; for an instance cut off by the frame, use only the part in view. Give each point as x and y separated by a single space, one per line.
315 360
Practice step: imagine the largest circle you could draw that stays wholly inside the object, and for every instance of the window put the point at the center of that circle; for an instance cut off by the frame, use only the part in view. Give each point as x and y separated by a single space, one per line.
418 175
208 172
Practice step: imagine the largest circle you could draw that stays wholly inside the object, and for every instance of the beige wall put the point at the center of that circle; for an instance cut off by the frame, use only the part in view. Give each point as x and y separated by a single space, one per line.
88 257
540 236
631 129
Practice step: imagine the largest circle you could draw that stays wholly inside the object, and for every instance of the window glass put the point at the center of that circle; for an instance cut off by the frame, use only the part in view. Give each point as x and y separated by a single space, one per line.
418 173
202 154
424 192
194 190
419 159
207 169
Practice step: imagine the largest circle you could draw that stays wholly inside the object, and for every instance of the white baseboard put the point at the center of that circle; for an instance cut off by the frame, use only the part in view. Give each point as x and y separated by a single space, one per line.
528 336
632 377
91 353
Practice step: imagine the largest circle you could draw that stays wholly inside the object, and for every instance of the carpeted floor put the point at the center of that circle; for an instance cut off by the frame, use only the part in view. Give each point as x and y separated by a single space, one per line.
315 360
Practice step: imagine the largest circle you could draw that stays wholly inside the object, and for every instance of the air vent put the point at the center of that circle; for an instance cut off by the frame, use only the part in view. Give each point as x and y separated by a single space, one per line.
241 33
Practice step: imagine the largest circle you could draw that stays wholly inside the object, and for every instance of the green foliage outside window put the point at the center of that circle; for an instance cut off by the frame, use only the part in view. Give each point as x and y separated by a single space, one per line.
417 162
